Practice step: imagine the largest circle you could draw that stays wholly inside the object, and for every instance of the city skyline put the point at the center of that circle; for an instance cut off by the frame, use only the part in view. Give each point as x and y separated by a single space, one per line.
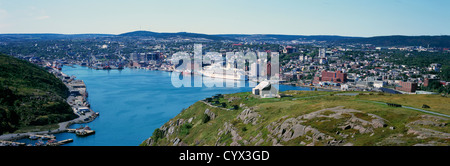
324 17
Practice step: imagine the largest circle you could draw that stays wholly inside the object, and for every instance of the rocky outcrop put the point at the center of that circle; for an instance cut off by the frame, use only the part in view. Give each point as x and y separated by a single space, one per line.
289 129
228 128
211 114
421 127
292 128
249 116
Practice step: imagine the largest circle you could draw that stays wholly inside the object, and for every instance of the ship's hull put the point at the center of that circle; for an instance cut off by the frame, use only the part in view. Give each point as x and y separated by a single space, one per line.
227 76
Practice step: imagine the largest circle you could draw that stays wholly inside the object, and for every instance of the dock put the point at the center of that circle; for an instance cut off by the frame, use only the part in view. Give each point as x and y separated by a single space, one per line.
44 136
81 132
59 143
11 143
84 132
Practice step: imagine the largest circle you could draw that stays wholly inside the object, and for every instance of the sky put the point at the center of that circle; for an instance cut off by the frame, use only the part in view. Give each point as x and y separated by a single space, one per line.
363 18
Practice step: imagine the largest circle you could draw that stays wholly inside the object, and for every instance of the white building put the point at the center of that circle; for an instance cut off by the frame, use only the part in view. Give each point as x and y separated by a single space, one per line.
265 90
379 84
322 52
344 87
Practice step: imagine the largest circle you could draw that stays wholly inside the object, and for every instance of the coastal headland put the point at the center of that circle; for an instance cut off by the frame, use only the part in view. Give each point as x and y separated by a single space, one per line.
309 118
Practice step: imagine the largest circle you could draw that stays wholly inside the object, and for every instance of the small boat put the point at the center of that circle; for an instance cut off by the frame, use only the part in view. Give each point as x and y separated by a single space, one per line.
51 141
79 128
84 131
33 137
39 143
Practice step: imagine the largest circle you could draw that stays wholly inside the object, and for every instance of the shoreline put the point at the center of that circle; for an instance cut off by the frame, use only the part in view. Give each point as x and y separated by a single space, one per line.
63 126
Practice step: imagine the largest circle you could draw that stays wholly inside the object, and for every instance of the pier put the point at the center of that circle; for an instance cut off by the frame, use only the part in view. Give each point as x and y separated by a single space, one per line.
81 132
11 143
43 136
59 143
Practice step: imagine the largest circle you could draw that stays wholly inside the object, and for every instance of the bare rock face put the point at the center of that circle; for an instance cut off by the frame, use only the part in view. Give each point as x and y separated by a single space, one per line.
228 128
211 114
249 116
292 128
427 126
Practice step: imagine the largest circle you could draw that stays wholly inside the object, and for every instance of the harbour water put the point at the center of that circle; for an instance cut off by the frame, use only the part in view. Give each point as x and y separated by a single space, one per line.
134 102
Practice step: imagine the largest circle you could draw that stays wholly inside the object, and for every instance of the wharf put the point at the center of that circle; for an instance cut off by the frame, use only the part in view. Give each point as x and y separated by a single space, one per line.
59 143
44 136
81 132
11 143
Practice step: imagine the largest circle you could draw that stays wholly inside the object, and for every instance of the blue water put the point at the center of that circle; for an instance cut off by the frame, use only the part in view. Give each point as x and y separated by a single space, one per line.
134 102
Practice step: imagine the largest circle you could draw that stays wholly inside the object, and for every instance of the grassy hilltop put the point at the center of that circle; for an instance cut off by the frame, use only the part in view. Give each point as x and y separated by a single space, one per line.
308 118
30 96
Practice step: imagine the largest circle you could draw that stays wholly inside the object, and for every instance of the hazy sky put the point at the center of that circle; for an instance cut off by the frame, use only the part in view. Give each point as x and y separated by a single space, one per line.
300 17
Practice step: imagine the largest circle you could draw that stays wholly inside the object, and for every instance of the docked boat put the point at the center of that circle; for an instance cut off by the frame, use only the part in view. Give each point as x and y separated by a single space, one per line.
217 71
51 141
84 131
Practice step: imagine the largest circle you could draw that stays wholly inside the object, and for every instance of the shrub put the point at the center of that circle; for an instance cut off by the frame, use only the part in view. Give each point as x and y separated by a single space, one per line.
205 118
244 129
185 129
157 134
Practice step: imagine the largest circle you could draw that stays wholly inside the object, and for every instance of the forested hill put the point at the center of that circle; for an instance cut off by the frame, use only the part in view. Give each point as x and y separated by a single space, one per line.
425 41
29 95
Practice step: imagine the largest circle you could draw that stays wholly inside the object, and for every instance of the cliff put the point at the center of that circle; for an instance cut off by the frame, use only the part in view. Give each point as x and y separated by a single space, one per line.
308 118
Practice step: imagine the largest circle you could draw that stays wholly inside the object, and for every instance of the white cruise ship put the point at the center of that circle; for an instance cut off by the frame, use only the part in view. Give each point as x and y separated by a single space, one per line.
217 71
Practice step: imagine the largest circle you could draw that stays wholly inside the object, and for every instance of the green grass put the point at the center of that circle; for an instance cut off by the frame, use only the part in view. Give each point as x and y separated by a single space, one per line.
437 103
304 102
30 96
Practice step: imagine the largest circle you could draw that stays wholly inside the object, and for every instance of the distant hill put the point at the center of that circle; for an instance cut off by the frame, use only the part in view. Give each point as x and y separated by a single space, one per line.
432 41
168 35
259 37
280 37
48 36
29 95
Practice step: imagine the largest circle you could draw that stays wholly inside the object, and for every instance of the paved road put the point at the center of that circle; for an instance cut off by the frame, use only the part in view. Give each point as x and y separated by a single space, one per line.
63 126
